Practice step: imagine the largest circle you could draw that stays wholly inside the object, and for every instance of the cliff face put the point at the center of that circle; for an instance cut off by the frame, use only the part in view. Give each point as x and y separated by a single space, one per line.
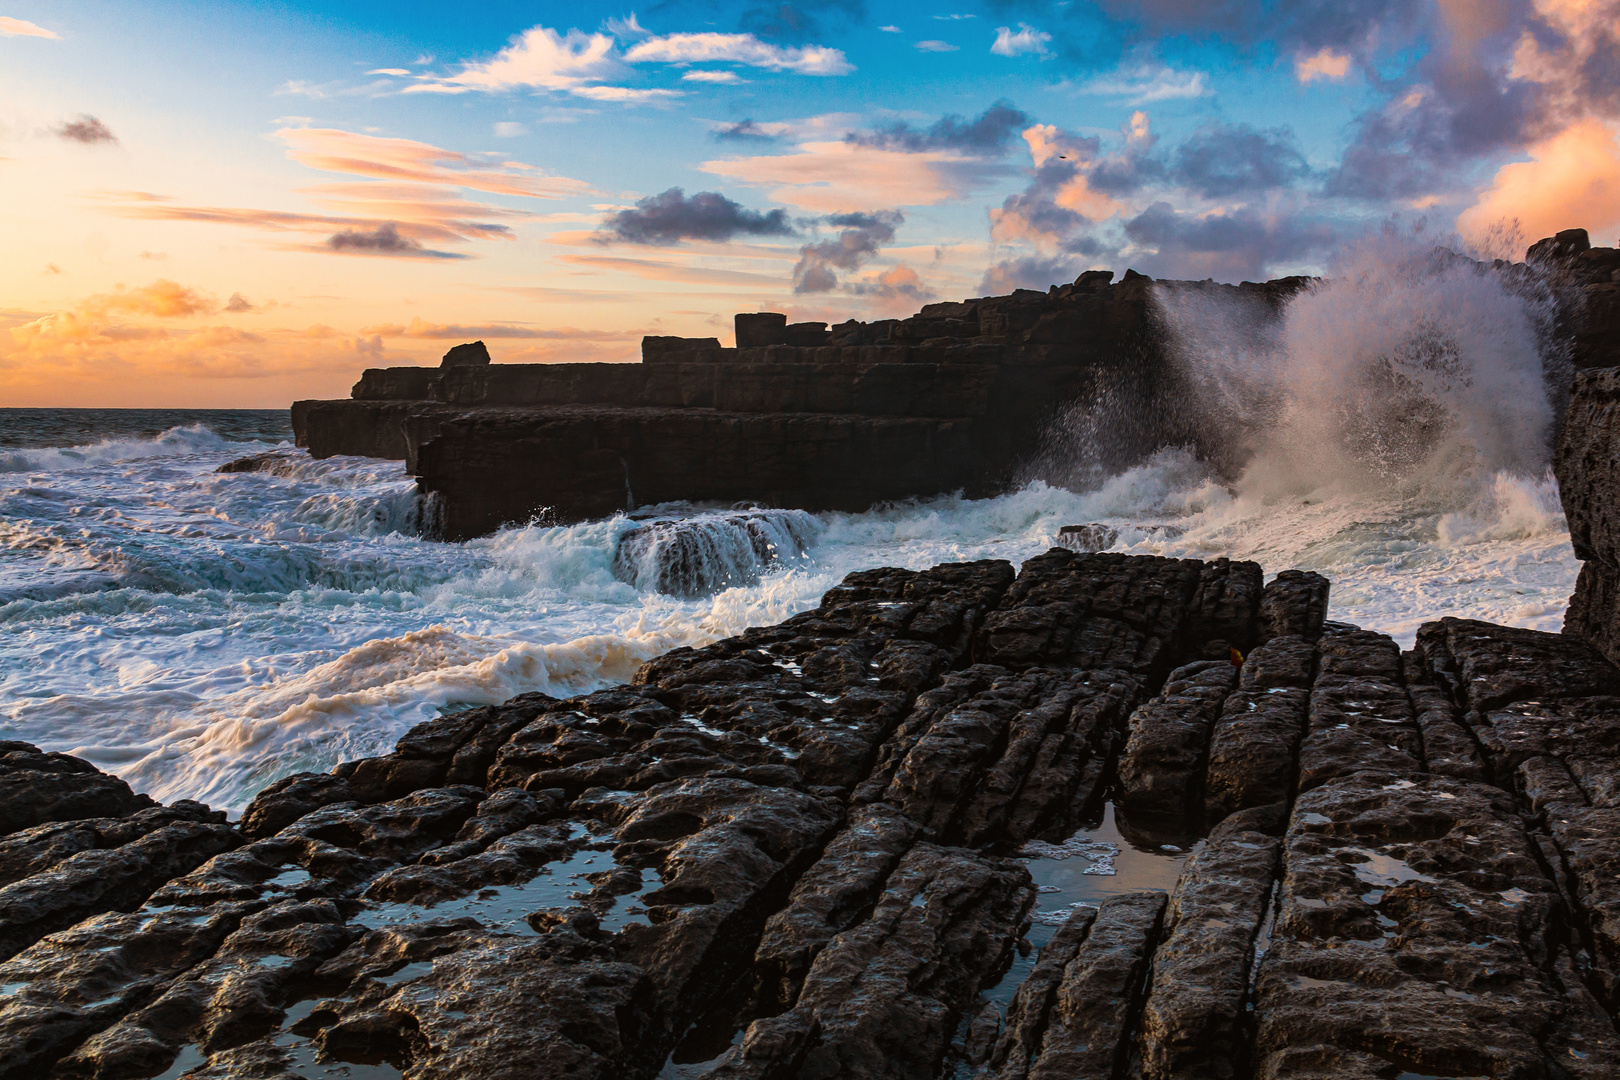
955 397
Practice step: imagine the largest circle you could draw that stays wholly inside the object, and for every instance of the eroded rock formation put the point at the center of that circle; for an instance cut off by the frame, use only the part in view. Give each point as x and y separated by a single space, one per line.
803 852
803 416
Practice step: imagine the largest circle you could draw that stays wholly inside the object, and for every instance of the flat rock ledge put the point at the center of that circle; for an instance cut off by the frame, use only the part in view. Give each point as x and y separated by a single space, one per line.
795 853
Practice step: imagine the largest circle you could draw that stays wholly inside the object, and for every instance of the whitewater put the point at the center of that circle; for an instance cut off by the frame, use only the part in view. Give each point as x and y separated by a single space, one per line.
201 634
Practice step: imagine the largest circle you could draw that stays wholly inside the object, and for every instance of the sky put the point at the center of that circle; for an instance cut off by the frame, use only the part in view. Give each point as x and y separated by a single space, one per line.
237 205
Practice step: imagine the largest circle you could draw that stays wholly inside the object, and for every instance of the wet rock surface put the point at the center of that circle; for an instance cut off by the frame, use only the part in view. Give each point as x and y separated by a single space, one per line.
806 851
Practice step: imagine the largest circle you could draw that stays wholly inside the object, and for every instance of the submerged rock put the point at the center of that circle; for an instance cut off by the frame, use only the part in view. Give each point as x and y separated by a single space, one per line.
703 555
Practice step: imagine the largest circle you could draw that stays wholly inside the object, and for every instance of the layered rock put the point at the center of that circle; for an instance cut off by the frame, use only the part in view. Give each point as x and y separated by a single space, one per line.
955 397
795 853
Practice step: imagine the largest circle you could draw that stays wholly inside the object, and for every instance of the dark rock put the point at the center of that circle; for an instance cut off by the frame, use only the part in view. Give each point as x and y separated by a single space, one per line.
1161 767
1360 716
760 329
1565 245
1226 606
274 462
1584 463
1092 611
471 354
36 788
1295 603
1414 934
1089 537
1071 1016
837 892
105 879
1194 1022
884 997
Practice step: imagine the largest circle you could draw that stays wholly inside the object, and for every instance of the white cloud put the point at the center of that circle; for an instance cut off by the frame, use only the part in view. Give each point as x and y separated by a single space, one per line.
937 46
10 27
1144 84
890 29
400 72
509 129
1026 39
725 78
625 94
739 49
540 57
954 18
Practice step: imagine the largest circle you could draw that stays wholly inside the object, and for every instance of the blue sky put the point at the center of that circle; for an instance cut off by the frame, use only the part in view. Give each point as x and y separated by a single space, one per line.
241 204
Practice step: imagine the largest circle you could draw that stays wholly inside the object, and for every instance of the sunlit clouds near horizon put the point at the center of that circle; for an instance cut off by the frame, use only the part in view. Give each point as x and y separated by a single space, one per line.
229 206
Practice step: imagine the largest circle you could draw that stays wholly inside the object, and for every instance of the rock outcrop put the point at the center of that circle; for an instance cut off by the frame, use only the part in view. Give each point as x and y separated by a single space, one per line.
805 852
958 396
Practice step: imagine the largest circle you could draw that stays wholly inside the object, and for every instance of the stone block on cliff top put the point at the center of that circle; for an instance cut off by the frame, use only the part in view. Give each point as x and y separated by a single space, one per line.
760 328
470 354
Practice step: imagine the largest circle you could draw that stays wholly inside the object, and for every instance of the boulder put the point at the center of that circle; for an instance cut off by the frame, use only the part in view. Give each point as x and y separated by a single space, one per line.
470 354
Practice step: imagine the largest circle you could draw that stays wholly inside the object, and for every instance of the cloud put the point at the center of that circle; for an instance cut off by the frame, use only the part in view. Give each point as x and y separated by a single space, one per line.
1219 160
509 129
1030 272
723 78
987 135
162 299
740 49
890 29
239 304
408 196
421 329
835 176
860 238
1026 39
10 27
1571 181
661 270
86 130
396 72
1146 83
384 239
578 63
1325 63
1242 244
897 283
537 58
936 46
670 217
784 20
743 131
334 150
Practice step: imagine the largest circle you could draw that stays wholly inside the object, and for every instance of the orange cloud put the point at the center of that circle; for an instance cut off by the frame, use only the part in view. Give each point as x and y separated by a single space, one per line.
1573 180
421 328
332 150
659 270
162 298
1323 64
829 177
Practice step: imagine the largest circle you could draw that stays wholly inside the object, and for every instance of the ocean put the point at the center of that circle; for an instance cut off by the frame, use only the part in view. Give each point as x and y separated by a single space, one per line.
202 634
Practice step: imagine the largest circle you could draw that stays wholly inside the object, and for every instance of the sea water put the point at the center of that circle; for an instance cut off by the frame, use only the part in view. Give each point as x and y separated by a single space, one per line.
202 634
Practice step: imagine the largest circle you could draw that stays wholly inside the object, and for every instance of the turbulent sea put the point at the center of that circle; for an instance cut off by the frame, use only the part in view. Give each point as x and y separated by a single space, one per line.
202 634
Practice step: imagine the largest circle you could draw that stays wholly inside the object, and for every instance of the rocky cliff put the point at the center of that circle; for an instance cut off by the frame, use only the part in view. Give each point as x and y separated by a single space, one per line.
958 396
818 850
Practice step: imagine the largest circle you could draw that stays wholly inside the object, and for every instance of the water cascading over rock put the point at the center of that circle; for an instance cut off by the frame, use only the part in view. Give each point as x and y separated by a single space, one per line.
703 555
